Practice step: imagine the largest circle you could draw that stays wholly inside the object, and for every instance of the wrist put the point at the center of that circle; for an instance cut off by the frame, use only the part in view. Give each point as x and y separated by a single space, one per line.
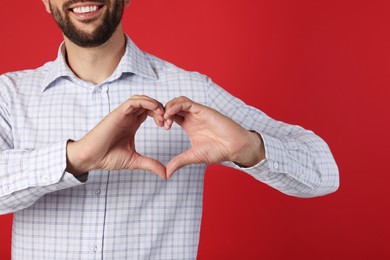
254 151
74 162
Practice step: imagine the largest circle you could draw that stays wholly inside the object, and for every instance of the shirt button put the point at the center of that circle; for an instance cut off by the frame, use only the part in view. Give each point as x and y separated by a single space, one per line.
45 178
276 165
97 192
94 248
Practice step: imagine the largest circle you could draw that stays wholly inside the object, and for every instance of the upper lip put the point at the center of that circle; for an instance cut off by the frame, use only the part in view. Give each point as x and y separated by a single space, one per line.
85 4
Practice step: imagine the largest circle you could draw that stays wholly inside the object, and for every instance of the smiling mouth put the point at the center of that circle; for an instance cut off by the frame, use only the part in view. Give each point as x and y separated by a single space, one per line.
85 9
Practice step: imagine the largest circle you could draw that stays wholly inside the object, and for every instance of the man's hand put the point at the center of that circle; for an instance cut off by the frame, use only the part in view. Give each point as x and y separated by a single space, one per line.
110 145
214 137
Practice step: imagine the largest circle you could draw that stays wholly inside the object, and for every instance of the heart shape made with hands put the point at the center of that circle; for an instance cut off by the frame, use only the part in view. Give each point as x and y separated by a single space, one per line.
214 138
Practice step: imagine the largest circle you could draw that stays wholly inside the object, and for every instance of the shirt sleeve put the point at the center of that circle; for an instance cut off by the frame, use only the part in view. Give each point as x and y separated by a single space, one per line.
298 162
28 174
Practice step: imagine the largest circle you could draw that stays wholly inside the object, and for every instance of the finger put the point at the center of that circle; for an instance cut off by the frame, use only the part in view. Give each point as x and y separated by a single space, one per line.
176 100
151 165
139 111
168 124
177 106
144 97
141 118
179 161
186 106
156 114
176 118
137 105
142 102
158 118
179 119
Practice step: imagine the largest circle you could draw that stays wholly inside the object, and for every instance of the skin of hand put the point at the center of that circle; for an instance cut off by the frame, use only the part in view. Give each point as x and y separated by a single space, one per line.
110 145
214 137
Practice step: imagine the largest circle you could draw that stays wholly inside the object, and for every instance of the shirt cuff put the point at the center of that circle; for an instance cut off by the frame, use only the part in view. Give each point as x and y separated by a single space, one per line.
46 166
279 163
267 170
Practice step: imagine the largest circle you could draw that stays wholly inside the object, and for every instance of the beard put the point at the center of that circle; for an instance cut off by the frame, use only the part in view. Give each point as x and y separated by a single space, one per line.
102 32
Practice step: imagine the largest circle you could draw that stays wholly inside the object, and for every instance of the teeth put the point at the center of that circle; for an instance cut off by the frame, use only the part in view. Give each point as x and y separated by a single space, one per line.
85 9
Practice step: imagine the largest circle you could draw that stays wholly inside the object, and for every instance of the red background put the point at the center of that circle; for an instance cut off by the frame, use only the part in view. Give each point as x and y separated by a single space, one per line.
323 64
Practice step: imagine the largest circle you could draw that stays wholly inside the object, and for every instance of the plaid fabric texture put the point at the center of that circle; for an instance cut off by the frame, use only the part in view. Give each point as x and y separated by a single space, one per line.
126 214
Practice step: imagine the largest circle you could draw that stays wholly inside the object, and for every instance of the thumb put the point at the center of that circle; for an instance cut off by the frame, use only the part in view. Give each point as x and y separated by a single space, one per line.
180 161
152 165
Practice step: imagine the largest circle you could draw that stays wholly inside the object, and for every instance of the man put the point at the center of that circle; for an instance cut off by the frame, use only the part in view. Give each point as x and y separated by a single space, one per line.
78 149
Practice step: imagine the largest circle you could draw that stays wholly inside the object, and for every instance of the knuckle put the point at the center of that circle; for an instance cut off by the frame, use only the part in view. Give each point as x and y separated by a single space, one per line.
138 96
183 98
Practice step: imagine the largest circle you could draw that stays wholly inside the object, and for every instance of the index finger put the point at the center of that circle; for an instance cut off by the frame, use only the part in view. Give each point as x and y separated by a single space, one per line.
141 102
180 104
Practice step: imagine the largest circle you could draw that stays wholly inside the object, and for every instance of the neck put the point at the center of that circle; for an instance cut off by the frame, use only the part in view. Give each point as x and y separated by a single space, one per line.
98 63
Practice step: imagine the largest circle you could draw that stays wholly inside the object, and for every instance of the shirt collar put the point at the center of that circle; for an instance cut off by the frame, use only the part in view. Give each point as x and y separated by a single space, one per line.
133 61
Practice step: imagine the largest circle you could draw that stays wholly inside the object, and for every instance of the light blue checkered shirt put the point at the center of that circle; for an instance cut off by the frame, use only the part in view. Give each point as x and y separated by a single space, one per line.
126 214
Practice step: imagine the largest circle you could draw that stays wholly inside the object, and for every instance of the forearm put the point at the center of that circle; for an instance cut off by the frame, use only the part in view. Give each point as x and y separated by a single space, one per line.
297 162
300 166
27 175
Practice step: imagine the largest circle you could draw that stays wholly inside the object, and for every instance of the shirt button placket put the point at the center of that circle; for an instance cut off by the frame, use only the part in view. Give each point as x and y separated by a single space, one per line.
101 107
